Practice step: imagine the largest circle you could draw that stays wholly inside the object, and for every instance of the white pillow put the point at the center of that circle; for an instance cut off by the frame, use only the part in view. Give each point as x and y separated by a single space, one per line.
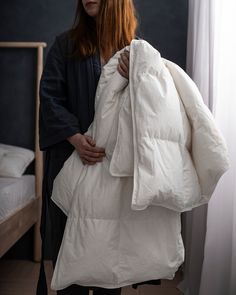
14 160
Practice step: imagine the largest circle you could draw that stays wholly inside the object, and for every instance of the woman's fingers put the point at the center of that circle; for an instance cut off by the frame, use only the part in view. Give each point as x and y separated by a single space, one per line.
90 140
123 66
89 145
125 58
88 152
91 159
124 62
122 72
95 149
93 154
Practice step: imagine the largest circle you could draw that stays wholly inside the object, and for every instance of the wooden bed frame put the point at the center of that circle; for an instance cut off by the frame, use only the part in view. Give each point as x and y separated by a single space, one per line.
16 225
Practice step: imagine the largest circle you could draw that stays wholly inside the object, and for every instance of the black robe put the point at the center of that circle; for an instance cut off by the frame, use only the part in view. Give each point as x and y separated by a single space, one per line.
67 93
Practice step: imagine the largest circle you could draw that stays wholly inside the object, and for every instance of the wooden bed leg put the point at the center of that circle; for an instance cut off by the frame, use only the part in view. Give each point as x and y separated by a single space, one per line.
38 159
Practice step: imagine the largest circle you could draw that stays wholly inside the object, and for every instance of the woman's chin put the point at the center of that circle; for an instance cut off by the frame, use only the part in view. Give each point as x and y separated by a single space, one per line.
92 12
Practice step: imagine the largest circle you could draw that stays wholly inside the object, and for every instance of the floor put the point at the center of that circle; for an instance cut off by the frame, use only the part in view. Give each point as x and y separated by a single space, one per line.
22 275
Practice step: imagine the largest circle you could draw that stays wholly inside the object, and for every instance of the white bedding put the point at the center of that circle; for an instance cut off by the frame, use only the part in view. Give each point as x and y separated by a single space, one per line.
123 224
15 193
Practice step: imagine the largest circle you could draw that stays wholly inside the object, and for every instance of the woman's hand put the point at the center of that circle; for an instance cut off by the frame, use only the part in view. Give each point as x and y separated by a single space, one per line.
123 66
86 148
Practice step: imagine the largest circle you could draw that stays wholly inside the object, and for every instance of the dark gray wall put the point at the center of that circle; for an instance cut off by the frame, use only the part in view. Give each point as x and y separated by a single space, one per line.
37 20
25 20
163 23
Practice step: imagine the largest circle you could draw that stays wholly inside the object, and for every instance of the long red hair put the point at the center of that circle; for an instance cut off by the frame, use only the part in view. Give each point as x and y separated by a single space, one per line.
114 28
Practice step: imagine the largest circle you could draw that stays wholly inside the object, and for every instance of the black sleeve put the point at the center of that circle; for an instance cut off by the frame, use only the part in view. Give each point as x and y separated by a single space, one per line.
56 122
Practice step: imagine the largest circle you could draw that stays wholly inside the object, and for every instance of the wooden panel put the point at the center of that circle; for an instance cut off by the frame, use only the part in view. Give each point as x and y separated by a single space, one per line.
16 225
22 44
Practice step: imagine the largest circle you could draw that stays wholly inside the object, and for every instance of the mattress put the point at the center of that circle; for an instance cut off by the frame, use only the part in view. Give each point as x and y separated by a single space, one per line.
15 193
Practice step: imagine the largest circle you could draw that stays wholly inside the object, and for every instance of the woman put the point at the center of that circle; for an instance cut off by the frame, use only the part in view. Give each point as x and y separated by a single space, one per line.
67 93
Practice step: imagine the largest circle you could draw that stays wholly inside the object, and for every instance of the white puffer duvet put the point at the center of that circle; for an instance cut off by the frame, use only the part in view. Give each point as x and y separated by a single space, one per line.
164 155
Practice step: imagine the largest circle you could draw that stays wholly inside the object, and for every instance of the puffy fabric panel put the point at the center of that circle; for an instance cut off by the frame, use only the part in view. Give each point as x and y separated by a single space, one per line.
122 160
209 151
108 244
164 155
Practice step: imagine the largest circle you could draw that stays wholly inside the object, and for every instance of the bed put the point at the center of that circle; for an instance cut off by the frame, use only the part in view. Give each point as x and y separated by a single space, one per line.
21 198
15 193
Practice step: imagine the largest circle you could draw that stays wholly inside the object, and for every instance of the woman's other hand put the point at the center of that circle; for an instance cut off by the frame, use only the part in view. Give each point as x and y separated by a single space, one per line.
123 66
86 148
